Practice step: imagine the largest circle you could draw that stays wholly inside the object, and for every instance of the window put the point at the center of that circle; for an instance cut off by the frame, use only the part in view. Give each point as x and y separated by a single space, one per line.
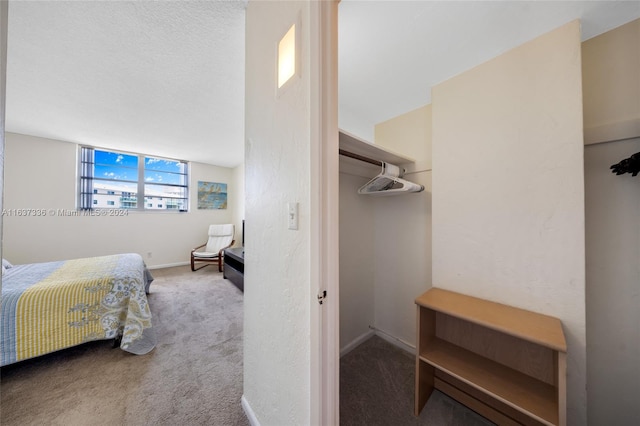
131 181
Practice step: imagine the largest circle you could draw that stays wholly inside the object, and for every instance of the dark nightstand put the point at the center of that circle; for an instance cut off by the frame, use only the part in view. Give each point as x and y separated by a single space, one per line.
234 266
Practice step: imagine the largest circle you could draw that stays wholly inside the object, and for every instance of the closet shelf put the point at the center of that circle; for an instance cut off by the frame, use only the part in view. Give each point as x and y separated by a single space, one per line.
506 363
355 145
523 393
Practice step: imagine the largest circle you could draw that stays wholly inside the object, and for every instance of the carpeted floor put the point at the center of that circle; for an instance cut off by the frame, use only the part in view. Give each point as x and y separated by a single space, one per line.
377 388
192 377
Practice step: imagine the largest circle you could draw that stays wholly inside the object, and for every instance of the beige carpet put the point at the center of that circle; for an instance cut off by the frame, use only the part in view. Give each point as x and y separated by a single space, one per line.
377 388
192 377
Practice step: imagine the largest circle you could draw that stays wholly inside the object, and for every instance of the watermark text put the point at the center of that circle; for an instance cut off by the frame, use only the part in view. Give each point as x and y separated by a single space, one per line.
63 212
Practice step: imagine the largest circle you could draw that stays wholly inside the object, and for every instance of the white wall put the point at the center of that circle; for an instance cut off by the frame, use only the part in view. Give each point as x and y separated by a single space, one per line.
236 198
508 182
3 85
611 82
277 293
402 259
41 174
385 262
353 124
385 242
613 290
357 262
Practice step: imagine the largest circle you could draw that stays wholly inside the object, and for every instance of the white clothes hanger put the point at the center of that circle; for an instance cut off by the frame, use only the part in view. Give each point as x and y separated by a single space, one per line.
389 182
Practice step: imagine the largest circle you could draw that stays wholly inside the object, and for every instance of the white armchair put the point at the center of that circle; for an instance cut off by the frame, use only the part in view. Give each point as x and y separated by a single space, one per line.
220 238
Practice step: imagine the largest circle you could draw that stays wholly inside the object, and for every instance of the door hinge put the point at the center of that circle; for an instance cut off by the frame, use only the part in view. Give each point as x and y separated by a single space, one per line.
321 296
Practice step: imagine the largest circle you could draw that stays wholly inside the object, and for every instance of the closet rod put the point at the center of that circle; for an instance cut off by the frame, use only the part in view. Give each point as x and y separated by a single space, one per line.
360 157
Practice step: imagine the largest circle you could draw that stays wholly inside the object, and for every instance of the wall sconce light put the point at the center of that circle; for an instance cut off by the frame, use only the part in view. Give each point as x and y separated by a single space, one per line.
287 58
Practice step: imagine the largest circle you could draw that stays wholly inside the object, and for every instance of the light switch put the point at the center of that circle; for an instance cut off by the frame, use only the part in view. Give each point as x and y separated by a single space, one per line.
292 215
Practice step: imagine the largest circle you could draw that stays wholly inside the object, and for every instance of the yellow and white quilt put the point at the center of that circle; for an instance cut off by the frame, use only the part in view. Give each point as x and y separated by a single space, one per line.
55 305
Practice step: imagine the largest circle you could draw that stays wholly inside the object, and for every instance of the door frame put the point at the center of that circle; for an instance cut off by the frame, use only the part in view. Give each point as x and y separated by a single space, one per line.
325 347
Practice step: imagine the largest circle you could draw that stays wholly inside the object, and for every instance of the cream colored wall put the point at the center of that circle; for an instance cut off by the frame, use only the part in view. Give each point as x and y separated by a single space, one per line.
402 227
611 83
41 174
409 134
508 188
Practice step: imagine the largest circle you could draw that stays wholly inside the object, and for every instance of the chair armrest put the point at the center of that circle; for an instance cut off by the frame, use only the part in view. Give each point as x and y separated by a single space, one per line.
224 248
198 247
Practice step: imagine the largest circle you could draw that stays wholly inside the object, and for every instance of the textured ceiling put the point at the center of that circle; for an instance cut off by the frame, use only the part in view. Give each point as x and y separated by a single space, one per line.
167 77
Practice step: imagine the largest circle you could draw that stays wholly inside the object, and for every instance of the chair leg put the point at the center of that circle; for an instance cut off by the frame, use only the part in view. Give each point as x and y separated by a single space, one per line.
203 266
193 266
219 264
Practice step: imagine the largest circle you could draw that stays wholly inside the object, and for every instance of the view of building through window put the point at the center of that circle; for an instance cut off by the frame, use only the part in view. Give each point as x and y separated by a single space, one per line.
131 181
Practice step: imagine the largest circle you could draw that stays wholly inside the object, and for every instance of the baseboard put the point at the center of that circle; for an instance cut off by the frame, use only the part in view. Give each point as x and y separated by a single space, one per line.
356 342
168 265
406 346
611 132
249 412
253 420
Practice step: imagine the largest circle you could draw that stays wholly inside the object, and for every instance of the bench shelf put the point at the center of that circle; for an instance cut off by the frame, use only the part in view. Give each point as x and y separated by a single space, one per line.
506 363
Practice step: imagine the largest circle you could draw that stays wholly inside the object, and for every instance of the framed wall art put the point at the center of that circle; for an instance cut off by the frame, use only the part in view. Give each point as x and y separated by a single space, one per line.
212 195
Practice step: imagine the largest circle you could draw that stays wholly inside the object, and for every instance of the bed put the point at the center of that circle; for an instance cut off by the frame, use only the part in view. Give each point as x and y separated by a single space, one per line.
56 305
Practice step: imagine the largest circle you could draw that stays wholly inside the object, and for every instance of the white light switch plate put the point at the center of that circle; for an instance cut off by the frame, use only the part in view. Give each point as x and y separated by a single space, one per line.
292 215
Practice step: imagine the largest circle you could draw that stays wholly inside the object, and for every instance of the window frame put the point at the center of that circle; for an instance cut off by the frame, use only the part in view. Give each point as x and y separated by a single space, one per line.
85 192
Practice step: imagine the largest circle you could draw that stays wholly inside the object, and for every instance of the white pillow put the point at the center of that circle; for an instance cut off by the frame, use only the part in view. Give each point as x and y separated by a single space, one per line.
6 264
